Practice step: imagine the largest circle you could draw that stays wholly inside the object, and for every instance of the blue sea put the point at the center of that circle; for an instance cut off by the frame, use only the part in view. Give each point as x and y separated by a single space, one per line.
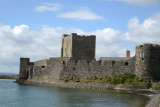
16 95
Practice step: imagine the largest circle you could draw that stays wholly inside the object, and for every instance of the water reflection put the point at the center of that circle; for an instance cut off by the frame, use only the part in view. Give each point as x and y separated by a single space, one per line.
15 95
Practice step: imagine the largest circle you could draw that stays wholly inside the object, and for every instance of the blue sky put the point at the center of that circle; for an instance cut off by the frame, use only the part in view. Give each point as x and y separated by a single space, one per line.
114 14
33 28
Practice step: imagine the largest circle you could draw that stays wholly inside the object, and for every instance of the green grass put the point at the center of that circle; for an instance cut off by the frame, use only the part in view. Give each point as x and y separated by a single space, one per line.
70 79
156 88
115 79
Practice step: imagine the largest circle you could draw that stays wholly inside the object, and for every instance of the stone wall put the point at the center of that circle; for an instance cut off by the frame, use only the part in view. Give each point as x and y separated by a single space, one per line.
56 67
61 68
40 67
84 69
41 63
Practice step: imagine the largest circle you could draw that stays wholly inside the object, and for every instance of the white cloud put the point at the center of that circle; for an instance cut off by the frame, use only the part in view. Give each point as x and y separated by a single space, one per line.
17 30
108 35
81 14
147 32
140 2
47 7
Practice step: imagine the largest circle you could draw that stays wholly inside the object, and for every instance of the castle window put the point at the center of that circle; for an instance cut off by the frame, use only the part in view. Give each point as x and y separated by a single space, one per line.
76 62
88 62
43 66
67 47
126 63
142 59
99 62
74 68
141 55
113 63
64 62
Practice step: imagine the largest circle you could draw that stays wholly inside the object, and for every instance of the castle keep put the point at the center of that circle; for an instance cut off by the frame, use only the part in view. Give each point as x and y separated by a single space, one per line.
78 47
78 60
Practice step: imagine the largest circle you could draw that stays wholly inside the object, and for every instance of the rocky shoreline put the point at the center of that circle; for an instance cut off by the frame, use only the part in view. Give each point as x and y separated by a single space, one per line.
153 96
8 77
154 100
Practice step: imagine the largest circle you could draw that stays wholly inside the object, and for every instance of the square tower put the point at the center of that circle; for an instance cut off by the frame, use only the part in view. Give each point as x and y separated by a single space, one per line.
23 72
78 47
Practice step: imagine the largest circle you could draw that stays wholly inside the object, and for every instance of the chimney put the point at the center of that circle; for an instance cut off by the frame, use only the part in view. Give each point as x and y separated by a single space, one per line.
128 54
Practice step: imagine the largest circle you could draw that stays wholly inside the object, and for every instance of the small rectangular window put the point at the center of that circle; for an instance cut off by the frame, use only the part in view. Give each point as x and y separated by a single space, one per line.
43 66
99 62
76 62
113 63
64 62
126 63
88 62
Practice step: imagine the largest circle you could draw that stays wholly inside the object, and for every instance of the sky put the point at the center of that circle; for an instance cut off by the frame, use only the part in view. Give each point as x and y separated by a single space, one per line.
34 28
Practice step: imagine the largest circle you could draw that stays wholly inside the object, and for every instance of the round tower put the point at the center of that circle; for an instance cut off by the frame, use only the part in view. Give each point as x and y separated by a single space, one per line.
148 61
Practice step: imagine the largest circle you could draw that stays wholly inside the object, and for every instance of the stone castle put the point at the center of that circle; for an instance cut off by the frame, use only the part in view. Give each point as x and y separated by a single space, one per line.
78 60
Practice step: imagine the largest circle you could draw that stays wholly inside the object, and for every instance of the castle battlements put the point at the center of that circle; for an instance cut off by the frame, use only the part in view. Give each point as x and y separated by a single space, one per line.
148 45
80 36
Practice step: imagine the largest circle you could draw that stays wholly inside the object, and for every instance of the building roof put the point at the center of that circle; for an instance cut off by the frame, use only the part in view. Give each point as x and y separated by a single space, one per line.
114 58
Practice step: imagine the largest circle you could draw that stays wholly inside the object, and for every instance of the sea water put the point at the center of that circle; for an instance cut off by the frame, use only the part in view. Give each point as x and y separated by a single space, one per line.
16 95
